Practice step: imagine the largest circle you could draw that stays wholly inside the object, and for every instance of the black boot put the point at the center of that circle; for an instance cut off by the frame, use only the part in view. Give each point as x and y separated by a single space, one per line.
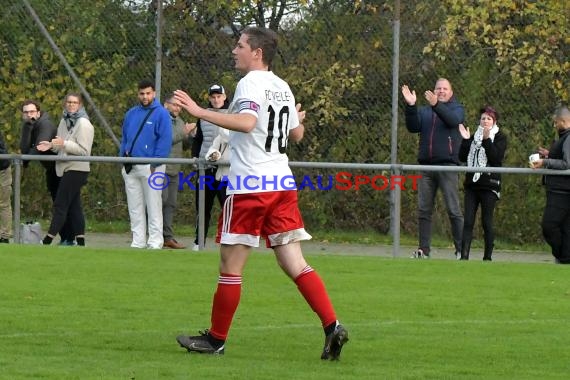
488 252
465 248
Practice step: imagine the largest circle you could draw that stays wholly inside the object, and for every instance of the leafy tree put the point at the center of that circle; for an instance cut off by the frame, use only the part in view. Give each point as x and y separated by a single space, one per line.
337 56
109 61
526 39
236 14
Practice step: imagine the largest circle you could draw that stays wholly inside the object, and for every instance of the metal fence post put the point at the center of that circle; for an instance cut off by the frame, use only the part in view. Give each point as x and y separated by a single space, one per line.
16 209
158 63
201 204
395 195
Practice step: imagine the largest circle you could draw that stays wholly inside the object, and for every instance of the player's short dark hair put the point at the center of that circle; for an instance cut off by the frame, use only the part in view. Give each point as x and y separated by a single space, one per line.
27 102
146 83
264 39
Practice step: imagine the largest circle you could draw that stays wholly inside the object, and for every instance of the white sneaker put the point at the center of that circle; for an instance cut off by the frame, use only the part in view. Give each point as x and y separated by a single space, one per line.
196 247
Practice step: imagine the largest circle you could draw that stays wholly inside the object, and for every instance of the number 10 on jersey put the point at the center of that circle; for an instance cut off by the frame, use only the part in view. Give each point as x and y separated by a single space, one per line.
282 127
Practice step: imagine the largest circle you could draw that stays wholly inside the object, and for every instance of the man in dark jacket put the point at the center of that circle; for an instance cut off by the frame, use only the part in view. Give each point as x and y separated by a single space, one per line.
439 144
36 127
556 217
182 137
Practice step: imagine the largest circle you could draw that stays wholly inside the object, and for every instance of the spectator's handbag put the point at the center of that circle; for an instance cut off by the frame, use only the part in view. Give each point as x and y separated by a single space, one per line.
127 165
31 233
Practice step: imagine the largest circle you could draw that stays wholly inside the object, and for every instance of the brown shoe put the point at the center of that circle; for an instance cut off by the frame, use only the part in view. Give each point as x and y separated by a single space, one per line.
173 244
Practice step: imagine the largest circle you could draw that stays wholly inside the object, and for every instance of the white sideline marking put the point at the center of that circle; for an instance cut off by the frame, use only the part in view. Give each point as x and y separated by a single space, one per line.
418 322
302 326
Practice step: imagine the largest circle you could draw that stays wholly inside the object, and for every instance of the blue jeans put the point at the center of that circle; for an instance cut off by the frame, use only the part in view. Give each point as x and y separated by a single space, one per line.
429 183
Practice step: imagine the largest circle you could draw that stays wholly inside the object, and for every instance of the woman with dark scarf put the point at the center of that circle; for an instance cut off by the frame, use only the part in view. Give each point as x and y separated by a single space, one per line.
74 138
486 148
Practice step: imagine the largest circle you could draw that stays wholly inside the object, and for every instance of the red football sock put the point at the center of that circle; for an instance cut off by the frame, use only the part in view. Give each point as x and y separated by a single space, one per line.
224 306
313 289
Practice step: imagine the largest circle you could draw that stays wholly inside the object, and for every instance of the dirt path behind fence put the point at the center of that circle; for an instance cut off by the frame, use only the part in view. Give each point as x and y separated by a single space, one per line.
108 240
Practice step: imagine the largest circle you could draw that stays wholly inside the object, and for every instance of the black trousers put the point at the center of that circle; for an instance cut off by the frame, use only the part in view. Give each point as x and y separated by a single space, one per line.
473 198
67 205
217 190
52 183
556 225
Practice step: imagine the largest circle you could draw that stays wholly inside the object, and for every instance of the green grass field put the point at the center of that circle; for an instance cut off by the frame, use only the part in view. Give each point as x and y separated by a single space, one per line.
72 313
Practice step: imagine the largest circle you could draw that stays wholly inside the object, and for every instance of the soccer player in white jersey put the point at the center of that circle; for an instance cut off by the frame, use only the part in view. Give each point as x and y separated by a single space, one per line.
261 202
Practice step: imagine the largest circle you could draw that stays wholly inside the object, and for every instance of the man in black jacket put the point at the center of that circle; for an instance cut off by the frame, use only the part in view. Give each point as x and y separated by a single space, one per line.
556 217
36 127
439 144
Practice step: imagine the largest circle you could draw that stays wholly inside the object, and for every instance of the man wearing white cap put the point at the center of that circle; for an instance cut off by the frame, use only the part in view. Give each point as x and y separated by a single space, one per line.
206 132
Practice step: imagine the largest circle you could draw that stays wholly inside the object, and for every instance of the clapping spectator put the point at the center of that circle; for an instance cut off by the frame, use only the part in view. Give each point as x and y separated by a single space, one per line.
485 148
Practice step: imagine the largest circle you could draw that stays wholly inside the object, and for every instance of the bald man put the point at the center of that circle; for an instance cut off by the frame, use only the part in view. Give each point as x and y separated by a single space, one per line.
556 217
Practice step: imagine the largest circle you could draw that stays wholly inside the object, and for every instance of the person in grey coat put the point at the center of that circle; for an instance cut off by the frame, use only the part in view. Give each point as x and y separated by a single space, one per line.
556 216
182 137
74 138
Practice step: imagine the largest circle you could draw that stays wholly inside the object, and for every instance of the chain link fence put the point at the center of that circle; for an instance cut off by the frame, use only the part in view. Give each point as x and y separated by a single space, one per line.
337 56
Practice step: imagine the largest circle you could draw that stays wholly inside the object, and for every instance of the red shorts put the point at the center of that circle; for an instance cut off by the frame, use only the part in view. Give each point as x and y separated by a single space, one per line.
273 215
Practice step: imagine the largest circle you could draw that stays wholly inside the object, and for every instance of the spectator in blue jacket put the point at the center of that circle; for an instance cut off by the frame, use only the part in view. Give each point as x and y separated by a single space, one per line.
147 132
439 144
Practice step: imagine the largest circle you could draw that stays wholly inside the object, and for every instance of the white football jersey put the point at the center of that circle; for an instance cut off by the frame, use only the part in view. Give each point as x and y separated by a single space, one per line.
259 162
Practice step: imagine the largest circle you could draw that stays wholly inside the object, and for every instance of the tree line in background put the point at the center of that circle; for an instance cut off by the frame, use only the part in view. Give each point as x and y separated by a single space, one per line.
337 56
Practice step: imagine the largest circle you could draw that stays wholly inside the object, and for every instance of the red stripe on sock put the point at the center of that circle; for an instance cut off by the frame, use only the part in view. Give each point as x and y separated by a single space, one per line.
313 289
224 305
